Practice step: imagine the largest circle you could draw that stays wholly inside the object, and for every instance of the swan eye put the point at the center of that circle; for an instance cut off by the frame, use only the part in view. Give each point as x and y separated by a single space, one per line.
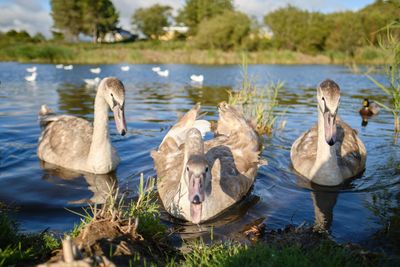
323 98
187 168
112 95
206 169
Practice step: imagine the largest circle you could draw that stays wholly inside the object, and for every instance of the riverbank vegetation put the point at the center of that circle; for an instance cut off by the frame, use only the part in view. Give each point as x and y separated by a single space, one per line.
217 33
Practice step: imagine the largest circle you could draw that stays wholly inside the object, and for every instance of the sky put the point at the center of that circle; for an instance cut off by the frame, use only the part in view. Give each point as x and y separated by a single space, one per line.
34 15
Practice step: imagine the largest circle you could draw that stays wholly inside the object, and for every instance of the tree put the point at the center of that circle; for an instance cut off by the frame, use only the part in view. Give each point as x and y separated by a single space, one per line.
99 17
297 29
225 31
151 20
67 17
347 33
195 11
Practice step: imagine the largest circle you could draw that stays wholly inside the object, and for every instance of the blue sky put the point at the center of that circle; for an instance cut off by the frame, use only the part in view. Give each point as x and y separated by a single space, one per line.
33 15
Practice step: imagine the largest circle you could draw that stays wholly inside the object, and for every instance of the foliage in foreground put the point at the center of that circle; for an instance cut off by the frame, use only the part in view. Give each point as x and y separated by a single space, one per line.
16 248
234 254
392 46
259 105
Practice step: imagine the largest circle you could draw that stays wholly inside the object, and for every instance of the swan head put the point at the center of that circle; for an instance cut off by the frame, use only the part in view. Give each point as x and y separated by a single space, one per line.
114 94
197 173
328 97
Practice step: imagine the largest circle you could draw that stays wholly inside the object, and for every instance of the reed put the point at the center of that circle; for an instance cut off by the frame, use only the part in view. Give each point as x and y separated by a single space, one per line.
391 44
259 105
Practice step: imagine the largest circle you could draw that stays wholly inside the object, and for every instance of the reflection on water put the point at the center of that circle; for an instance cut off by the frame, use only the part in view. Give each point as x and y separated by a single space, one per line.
352 213
101 185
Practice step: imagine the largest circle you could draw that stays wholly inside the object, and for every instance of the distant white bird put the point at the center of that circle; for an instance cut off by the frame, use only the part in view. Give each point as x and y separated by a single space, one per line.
163 73
92 82
95 70
32 77
197 78
68 67
125 68
33 69
156 69
59 66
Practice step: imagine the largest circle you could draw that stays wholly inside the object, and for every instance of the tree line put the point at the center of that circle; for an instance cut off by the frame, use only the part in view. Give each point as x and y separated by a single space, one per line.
217 24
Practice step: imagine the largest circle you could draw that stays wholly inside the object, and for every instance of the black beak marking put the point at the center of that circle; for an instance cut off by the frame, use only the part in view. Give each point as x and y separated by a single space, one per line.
196 200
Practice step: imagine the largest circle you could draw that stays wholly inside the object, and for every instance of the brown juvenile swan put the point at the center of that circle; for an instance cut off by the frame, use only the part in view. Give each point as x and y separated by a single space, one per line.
73 143
198 180
330 152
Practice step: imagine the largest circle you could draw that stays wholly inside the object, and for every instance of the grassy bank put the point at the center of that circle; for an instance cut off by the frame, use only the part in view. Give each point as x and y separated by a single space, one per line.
171 52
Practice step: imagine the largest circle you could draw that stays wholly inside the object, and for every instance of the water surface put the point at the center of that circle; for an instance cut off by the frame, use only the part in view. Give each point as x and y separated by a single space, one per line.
42 193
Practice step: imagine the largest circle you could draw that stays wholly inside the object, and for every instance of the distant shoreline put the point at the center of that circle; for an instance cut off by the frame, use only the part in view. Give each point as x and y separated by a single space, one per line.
139 53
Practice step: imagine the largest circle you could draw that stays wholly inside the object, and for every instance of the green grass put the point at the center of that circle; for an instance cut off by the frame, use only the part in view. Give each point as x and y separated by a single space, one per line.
16 248
234 254
392 46
259 105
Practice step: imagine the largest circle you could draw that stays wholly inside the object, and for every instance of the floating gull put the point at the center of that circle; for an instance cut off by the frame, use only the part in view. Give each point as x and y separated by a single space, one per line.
163 73
125 68
92 82
68 67
33 69
156 69
32 77
197 78
95 70
59 66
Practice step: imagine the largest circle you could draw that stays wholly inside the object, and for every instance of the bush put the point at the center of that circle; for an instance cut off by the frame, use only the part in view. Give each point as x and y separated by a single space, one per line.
226 31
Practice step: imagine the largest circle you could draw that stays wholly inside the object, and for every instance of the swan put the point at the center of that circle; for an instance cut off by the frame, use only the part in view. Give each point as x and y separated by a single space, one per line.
369 108
32 77
95 70
163 73
92 82
68 67
330 152
59 66
73 143
125 68
33 69
197 78
156 69
198 180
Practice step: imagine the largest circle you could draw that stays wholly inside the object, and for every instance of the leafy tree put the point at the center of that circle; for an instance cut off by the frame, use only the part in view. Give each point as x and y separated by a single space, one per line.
297 29
225 31
99 17
67 17
151 20
195 11
347 33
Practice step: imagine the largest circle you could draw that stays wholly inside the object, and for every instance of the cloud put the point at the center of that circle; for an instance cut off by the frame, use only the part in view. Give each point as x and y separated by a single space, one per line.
31 16
34 16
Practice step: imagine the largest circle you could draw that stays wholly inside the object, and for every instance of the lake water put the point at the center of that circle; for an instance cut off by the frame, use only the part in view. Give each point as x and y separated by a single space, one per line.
354 213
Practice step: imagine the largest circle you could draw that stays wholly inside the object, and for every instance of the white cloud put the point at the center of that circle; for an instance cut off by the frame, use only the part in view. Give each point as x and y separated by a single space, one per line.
25 15
33 16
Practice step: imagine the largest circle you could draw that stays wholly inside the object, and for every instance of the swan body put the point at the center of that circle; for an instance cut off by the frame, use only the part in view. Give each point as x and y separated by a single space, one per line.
59 66
331 151
163 73
198 180
369 108
32 69
156 69
125 68
68 67
197 78
95 70
73 143
32 77
92 82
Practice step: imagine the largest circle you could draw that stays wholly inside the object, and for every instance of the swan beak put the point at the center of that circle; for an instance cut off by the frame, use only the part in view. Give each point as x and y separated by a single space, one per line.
196 197
119 117
330 128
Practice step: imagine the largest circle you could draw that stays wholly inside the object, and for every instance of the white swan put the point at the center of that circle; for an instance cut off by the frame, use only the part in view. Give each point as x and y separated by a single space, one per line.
156 69
59 66
330 152
197 78
92 82
33 69
73 143
95 70
68 67
163 73
125 68
31 77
